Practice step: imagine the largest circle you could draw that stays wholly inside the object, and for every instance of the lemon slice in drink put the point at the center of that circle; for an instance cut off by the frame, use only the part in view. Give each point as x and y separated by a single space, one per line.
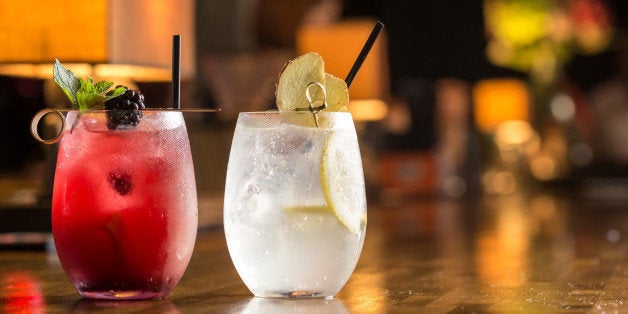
308 208
342 181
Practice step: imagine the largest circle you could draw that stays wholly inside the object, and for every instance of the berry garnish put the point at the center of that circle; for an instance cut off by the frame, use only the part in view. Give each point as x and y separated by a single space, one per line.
124 110
121 182
84 94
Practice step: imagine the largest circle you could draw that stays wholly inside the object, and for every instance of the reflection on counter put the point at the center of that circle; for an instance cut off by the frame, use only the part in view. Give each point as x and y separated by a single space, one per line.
137 306
510 253
20 291
281 306
517 253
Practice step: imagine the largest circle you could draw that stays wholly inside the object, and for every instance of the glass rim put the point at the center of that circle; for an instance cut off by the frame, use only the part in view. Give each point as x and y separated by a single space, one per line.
274 112
183 110
324 119
76 113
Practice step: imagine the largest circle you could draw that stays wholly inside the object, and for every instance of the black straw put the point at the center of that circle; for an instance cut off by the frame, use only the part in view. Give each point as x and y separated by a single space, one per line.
176 71
365 51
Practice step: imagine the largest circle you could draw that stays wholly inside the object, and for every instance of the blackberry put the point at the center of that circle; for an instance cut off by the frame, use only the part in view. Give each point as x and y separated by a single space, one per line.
125 110
121 182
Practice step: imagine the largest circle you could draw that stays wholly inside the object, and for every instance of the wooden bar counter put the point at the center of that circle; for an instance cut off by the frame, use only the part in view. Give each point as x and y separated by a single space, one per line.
513 254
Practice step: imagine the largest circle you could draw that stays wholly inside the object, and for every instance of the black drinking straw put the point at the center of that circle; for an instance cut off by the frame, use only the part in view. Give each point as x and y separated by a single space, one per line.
365 51
176 71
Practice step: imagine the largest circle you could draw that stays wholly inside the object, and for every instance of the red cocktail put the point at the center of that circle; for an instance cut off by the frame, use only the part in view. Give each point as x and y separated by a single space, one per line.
124 209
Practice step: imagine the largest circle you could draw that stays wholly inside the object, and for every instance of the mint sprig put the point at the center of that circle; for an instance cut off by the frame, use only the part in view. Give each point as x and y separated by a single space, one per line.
84 94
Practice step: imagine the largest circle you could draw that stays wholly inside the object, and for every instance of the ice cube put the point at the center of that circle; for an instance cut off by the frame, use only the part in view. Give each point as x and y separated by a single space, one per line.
160 120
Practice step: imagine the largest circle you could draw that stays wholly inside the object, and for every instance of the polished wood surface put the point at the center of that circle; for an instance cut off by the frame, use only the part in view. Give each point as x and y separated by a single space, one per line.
531 254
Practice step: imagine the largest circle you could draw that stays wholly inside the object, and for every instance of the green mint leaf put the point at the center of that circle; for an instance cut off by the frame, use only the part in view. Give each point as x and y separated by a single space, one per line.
84 94
68 82
103 86
87 96
116 92
91 101
87 86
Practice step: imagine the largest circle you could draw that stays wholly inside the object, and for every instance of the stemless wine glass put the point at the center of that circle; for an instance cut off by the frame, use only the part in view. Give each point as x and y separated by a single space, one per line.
295 204
124 207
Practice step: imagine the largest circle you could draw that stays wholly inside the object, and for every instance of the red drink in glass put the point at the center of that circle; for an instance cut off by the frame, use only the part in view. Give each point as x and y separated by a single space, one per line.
124 208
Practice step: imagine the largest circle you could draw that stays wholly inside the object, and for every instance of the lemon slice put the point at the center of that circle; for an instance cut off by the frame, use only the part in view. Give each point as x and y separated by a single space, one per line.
342 181
308 209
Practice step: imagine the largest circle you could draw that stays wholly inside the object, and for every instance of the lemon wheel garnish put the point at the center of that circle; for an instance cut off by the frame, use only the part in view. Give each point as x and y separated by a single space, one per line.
342 182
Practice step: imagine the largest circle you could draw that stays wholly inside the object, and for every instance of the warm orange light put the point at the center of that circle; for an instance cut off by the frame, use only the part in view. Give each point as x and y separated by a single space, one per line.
37 31
139 73
98 72
513 134
368 109
134 32
141 33
502 250
499 100
340 44
499 182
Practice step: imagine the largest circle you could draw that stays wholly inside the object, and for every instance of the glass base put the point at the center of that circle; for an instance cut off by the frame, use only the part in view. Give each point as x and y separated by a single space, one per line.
122 295
295 295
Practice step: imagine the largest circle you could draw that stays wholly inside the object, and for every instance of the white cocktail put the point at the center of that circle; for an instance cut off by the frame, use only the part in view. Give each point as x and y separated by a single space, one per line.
295 204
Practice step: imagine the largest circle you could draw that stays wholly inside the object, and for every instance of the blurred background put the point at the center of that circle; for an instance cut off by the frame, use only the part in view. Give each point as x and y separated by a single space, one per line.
457 98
